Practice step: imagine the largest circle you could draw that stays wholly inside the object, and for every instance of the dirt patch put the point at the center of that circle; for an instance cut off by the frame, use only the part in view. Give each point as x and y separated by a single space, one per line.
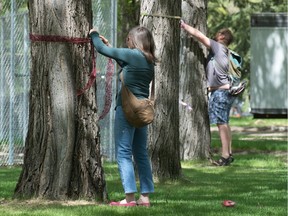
42 202
271 133
272 129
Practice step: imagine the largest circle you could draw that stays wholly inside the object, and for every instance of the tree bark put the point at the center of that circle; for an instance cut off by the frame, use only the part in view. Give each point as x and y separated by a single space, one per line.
194 120
164 132
62 150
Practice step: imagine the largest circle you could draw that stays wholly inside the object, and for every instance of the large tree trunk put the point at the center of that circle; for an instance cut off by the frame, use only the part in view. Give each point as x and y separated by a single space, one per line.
194 126
164 132
62 149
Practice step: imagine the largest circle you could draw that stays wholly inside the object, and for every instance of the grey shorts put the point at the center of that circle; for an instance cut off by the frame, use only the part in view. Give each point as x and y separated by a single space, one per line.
220 103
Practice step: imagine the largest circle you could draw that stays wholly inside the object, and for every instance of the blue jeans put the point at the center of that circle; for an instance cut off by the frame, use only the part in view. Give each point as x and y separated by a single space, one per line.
131 141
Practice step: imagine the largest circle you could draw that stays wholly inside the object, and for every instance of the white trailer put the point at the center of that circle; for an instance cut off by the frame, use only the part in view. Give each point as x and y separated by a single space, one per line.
268 66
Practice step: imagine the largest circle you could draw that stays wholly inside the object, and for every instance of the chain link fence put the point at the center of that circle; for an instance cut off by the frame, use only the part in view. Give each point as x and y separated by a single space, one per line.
105 20
14 81
15 77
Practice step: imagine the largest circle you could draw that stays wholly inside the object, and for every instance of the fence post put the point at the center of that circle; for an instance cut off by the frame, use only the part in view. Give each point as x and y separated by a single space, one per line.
12 93
26 75
112 153
2 75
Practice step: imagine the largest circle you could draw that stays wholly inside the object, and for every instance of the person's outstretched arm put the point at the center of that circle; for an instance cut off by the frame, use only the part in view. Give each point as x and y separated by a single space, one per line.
196 34
102 46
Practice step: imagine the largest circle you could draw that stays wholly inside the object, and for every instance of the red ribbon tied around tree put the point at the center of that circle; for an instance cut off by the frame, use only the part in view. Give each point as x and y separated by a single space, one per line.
74 40
92 78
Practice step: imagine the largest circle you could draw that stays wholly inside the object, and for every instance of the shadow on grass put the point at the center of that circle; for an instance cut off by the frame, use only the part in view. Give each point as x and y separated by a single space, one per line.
256 182
250 182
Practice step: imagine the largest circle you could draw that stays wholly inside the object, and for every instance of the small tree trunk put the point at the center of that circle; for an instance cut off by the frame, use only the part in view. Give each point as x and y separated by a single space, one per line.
129 12
62 149
164 132
194 121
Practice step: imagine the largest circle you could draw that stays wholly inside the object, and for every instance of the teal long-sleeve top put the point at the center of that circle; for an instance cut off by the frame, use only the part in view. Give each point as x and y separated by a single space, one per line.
137 71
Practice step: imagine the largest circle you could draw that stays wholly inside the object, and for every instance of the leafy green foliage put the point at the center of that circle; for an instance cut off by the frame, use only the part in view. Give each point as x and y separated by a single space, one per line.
235 15
128 17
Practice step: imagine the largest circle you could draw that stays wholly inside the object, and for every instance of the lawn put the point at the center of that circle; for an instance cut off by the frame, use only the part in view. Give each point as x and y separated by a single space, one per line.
256 182
250 122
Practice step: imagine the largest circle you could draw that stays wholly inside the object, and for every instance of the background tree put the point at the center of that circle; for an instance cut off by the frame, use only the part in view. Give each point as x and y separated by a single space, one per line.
164 132
62 149
194 127
128 17
228 13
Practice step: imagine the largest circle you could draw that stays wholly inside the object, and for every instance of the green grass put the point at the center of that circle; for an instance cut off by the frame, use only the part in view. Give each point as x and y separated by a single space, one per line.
8 179
256 181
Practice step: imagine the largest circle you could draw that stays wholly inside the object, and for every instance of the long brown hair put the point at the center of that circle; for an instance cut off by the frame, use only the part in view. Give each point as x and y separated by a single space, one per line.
142 39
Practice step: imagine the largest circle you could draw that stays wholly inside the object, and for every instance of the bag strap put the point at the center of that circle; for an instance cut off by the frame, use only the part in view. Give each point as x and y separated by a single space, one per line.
152 96
121 77
153 85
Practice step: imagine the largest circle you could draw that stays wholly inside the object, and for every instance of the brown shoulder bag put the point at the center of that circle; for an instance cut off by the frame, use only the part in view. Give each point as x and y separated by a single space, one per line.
138 112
